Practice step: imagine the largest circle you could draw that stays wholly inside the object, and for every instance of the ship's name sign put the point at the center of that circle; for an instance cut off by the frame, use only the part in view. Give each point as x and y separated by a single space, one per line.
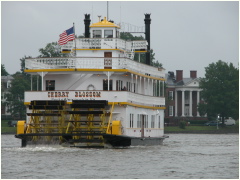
66 94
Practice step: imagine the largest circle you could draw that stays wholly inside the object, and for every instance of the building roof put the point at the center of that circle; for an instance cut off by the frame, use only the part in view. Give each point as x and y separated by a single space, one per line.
171 81
5 82
104 23
6 78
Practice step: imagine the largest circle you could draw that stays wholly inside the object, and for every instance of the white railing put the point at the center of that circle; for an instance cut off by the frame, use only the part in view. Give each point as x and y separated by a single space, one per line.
149 100
111 96
49 63
105 43
148 70
92 63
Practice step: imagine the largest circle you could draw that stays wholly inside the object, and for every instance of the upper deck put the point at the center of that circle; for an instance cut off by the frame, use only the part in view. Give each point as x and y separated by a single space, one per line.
106 43
69 64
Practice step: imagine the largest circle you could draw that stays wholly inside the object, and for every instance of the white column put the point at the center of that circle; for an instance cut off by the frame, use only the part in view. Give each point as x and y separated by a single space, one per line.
131 88
183 102
176 103
108 80
42 81
190 103
198 100
144 86
163 88
148 88
153 90
159 89
42 74
156 90
136 86
140 84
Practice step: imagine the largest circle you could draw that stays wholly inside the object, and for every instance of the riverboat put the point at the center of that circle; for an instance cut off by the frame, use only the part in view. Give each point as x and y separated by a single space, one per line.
97 96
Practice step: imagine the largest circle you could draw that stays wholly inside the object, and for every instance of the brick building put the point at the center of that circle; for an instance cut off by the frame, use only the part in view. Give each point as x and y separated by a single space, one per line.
182 97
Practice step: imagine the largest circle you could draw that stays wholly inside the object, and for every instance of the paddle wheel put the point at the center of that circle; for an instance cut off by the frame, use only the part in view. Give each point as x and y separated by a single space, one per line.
80 124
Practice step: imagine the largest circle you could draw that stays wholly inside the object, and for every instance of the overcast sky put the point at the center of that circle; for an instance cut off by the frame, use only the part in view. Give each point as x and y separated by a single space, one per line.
184 35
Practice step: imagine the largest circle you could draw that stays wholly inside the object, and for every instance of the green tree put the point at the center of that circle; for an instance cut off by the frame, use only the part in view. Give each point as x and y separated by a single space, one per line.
155 62
130 37
22 63
220 90
35 79
22 82
51 50
15 97
3 70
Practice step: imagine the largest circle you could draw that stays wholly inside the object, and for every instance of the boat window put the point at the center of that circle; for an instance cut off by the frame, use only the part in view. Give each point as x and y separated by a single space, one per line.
97 33
154 89
117 34
131 120
131 87
152 121
108 34
50 85
146 121
138 121
105 85
128 86
119 86
159 122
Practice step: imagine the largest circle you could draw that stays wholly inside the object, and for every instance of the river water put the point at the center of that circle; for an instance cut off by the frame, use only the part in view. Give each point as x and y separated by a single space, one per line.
182 156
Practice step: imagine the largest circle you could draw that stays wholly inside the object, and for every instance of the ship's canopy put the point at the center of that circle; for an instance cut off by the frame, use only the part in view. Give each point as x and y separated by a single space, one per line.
104 23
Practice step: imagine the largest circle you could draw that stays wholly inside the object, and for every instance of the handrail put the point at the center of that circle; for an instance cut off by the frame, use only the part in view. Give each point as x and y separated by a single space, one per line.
28 125
110 118
103 43
93 63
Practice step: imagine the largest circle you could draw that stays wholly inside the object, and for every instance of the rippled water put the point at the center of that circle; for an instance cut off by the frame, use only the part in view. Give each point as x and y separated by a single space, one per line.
183 156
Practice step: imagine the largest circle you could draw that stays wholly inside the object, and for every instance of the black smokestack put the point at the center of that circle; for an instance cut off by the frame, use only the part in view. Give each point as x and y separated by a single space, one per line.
147 36
87 21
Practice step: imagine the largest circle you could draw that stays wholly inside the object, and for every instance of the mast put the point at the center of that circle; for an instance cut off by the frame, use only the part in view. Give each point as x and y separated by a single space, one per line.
75 40
107 10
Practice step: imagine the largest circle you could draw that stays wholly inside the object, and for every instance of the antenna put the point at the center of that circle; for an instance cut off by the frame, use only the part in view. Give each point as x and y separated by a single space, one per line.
92 10
99 17
120 13
107 10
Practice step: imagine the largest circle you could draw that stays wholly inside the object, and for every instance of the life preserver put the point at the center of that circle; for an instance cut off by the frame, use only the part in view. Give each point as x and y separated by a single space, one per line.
91 87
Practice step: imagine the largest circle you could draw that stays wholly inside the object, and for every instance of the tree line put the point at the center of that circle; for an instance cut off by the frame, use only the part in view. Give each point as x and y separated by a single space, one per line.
220 91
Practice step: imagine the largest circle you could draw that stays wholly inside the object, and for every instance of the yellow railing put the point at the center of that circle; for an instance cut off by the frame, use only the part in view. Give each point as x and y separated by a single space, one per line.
110 119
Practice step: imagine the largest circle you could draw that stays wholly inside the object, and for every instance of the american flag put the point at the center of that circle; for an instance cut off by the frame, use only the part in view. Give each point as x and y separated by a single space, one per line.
66 36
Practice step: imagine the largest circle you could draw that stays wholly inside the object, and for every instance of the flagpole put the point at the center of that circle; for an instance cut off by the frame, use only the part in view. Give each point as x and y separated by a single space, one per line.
107 10
75 40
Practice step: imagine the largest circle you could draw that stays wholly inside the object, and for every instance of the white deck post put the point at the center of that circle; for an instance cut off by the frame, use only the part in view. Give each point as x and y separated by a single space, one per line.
183 102
190 103
108 80
198 100
176 103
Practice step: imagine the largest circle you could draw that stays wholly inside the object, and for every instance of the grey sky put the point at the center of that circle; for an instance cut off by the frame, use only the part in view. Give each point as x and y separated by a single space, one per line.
184 35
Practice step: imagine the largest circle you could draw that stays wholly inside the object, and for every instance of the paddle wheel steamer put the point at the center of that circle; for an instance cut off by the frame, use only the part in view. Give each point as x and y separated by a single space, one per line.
98 95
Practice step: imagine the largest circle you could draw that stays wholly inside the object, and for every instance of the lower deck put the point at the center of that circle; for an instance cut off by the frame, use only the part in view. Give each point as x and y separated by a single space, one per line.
87 121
